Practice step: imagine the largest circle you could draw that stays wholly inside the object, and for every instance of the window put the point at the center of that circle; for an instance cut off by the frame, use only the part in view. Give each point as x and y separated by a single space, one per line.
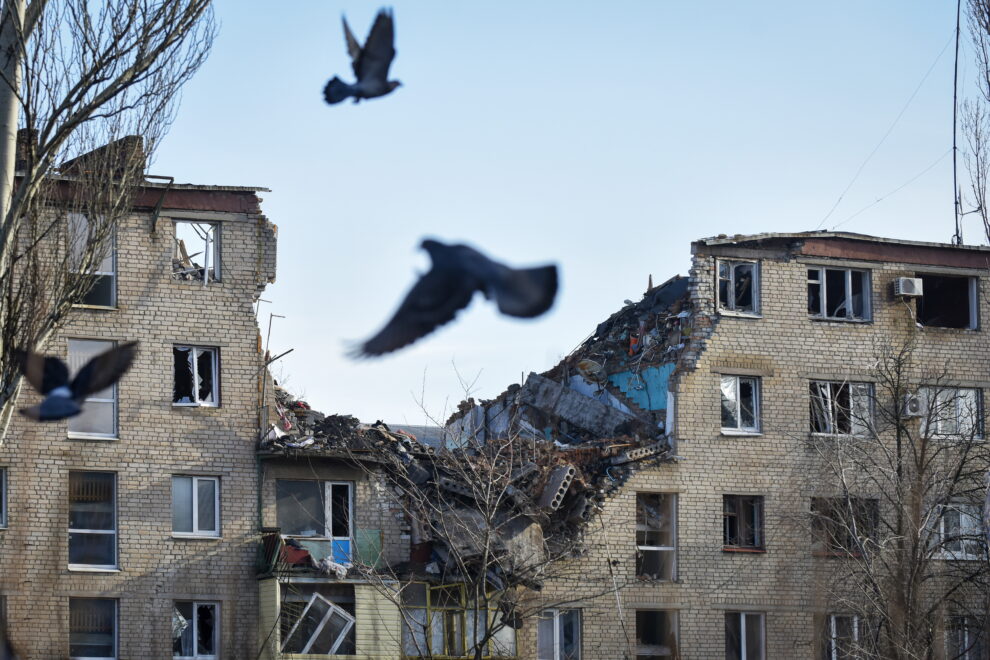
92 520
438 621
194 630
742 522
839 293
847 637
197 251
317 618
320 513
99 268
3 498
966 639
195 506
841 408
740 404
843 526
558 635
744 636
947 301
738 286
656 635
656 535
196 376
98 418
952 411
92 628
960 532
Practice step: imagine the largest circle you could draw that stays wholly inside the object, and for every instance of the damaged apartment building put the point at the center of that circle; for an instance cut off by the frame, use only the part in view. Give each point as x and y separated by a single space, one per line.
655 491
130 531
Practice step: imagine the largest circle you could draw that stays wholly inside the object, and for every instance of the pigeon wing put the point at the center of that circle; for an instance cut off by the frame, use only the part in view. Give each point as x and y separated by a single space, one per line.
379 50
103 370
525 292
353 47
45 373
433 301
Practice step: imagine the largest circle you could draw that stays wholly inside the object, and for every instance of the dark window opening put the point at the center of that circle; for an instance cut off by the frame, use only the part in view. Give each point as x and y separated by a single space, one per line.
737 283
742 517
843 526
946 301
656 635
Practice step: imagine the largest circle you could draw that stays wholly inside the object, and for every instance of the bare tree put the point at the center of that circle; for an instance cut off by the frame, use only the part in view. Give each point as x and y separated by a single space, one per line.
93 87
898 483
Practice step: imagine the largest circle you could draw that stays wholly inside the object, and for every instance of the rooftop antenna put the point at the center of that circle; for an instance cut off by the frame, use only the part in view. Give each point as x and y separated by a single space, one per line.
957 238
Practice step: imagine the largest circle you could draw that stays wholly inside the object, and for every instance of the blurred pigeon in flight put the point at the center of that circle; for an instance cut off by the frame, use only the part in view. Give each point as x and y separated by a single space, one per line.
50 376
370 63
458 271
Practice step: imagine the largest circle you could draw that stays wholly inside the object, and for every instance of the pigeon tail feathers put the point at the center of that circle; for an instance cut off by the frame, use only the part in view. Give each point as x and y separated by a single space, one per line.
337 90
526 292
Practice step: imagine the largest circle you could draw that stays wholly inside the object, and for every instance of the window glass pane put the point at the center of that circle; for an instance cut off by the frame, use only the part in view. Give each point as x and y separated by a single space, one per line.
334 627
744 287
91 500
754 636
503 642
206 490
730 419
814 292
340 510
97 417
204 365
733 636
205 628
92 628
82 351
182 629
570 635
299 507
182 391
101 290
92 549
414 632
747 403
545 637
182 519
311 619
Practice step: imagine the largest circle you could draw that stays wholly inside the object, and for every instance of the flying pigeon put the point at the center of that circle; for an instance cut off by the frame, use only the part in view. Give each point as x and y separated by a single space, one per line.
458 271
370 63
50 376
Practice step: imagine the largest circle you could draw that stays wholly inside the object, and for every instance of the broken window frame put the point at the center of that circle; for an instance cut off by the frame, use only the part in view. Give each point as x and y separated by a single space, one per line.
819 280
659 550
428 613
211 269
832 532
963 539
657 651
196 352
734 383
556 620
829 417
3 498
343 544
730 277
740 503
972 299
89 531
196 531
741 619
87 606
952 412
194 624
107 268
965 638
76 361
333 609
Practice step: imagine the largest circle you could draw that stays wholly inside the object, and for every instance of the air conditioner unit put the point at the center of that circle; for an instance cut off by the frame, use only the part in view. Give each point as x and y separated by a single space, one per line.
914 405
908 287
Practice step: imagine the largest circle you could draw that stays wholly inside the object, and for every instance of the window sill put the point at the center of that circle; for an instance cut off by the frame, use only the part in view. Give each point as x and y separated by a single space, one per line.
92 569
746 551
825 319
836 555
195 405
93 436
102 308
740 315
837 436
940 328
195 537
959 557
739 433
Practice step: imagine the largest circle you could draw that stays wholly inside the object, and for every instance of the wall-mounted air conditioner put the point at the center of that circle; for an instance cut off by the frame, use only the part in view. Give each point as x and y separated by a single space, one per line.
908 287
914 405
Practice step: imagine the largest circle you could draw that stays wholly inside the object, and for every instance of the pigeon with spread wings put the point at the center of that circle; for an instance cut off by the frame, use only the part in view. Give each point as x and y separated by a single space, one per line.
370 63
50 376
459 271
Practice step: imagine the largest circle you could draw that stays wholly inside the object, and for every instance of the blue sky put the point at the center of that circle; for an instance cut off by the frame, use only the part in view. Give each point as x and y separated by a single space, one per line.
604 137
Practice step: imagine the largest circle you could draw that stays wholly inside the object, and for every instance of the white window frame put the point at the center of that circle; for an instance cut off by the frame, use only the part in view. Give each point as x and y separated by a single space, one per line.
730 305
112 256
833 651
823 296
196 350
743 655
116 631
211 249
328 516
860 406
555 615
80 435
971 535
967 407
333 609
739 428
672 549
116 549
970 635
196 531
195 631
3 498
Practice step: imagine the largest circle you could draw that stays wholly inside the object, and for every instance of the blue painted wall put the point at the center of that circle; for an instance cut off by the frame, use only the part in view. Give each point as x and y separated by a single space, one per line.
648 388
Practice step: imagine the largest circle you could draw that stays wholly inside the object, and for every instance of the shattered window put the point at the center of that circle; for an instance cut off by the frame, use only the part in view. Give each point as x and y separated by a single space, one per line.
839 293
92 628
99 269
558 635
742 519
656 535
318 514
98 418
656 635
197 251
195 506
437 621
841 408
947 301
317 619
843 526
744 637
966 638
740 403
951 411
961 531
92 520
196 376
195 630
738 286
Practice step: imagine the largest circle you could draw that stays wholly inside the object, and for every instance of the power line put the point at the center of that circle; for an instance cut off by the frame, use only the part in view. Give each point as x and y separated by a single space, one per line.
887 134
